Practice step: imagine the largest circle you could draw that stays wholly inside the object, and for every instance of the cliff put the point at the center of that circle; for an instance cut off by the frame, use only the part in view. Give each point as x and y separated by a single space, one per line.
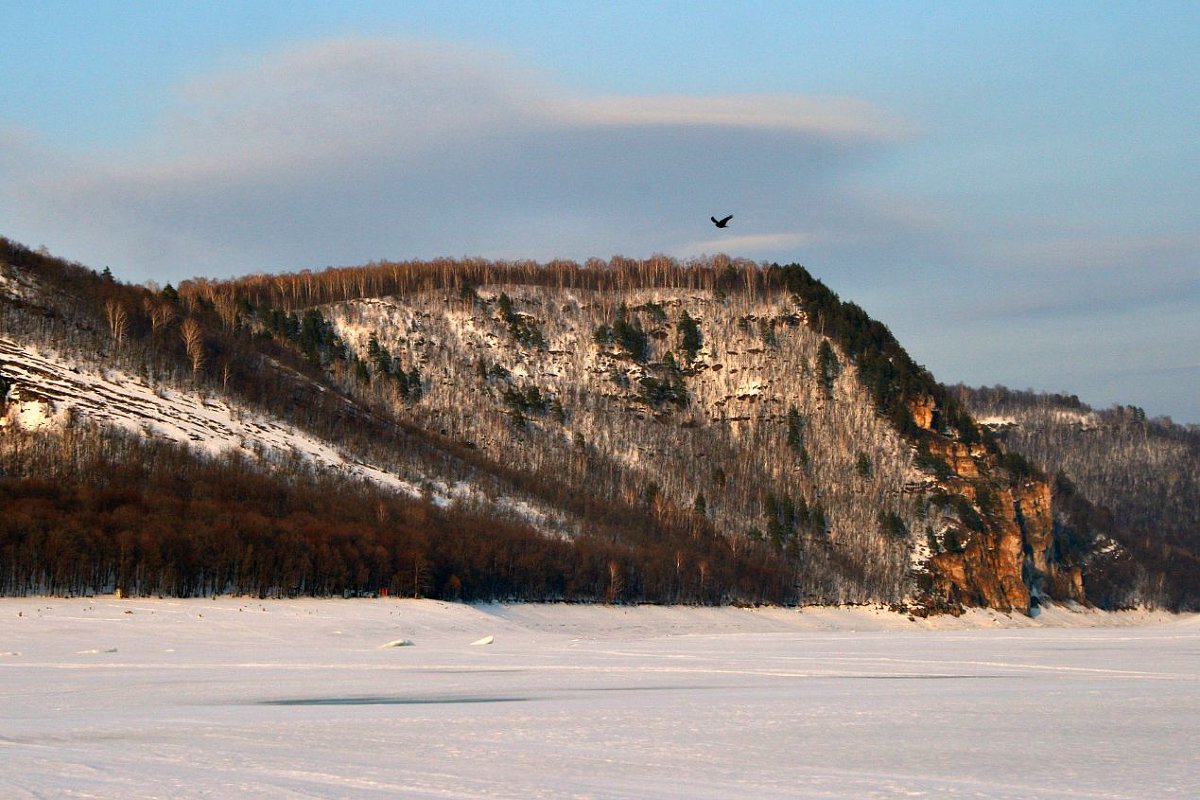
1126 491
997 537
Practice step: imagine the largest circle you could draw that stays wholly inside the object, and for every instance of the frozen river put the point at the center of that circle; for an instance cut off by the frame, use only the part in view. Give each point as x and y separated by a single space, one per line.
301 699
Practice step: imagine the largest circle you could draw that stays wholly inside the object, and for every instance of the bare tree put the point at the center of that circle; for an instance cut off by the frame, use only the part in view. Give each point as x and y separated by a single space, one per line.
193 341
118 320
226 304
616 582
161 314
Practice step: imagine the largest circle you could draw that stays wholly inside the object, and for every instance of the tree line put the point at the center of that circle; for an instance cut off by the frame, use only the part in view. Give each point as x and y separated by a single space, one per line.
94 511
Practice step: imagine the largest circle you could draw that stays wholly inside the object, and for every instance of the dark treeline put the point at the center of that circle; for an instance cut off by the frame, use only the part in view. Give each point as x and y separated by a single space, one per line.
91 511
895 381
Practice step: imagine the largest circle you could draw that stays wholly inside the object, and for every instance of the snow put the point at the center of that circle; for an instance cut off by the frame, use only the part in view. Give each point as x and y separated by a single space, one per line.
206 423
397 643
32 415
17 284
296 698
1087 421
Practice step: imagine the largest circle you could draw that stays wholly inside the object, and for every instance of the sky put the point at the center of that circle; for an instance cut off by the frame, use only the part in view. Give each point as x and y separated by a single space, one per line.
1013 188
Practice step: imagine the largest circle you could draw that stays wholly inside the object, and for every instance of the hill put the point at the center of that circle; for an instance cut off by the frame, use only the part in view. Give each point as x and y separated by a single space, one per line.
713 432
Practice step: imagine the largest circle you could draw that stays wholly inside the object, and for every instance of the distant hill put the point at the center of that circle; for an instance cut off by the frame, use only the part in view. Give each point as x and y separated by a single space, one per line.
621 431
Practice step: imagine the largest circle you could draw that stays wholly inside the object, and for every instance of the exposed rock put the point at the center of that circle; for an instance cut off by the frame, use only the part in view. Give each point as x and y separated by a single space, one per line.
922 412
1004 538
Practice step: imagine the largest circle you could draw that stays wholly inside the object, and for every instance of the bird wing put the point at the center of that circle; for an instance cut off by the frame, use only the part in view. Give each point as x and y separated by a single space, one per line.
724 221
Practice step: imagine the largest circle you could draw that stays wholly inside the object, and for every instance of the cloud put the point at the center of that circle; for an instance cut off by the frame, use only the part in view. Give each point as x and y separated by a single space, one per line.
353 149
750 245
1064 272
828 116
349 98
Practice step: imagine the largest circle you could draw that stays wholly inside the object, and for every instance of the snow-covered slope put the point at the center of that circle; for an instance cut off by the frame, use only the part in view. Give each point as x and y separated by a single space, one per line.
48 387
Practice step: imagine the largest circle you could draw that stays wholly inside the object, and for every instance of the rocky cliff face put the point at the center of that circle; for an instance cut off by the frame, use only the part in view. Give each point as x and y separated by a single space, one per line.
997 534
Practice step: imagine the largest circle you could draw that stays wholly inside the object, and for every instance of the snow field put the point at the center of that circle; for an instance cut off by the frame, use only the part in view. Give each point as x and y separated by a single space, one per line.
301 698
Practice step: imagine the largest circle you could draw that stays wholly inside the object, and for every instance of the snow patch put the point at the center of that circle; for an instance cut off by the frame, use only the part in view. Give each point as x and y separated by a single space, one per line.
397 643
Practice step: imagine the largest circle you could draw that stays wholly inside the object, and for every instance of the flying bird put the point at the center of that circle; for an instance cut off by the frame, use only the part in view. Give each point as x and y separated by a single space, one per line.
721 223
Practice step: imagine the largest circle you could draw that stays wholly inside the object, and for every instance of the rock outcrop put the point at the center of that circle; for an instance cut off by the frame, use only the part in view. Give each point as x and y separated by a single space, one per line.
997 535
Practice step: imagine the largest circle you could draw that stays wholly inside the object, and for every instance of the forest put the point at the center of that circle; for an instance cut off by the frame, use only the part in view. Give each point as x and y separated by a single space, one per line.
93 510
97 511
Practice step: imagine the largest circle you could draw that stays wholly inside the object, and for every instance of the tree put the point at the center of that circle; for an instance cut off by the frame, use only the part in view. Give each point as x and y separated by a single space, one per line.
161 313
118 320
690 339
795 429
193 342
616 582
630 335
862 466
827 367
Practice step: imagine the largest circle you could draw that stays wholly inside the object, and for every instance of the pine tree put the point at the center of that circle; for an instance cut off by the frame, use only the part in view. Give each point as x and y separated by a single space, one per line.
690 339
827 367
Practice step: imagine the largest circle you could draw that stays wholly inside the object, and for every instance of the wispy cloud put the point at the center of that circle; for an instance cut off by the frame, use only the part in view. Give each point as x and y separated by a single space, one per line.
826 116
750 245
1091 252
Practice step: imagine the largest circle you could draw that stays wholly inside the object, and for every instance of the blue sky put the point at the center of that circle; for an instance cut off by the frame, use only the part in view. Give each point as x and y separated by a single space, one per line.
1014 188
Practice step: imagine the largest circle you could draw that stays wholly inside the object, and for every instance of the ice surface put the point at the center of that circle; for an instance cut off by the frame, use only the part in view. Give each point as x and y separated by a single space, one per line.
285 699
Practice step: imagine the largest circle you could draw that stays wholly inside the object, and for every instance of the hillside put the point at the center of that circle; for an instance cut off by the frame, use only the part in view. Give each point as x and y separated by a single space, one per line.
1140 476
712 432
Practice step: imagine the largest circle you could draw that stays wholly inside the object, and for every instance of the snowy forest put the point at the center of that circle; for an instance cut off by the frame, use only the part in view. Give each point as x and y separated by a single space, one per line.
714 431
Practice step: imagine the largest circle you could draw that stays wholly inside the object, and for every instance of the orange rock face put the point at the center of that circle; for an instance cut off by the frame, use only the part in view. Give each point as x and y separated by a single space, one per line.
1009 549
988 571
922 412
